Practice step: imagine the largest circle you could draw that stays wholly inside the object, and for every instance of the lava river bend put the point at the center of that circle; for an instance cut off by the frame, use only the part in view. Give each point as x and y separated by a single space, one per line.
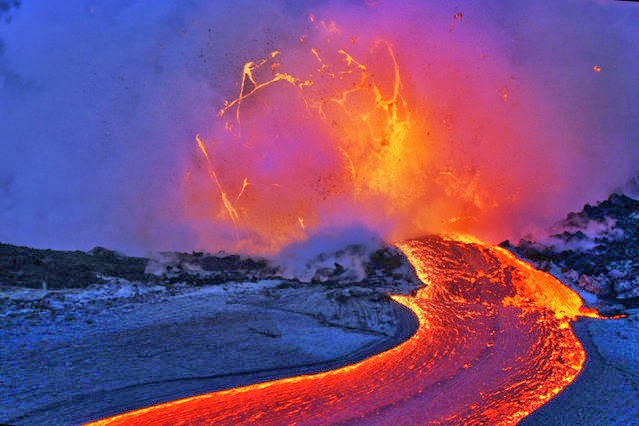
494 343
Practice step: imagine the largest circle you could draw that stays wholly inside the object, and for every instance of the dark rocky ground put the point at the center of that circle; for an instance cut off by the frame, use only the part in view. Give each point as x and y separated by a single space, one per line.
55 270
52 269
596 249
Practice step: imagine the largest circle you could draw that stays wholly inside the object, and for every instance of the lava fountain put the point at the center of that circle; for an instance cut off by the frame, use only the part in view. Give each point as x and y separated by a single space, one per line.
287 180
494 343
341 130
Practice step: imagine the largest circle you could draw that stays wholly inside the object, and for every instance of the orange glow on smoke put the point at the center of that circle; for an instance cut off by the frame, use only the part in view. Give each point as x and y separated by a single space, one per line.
494 343
359 129
362 133
326 136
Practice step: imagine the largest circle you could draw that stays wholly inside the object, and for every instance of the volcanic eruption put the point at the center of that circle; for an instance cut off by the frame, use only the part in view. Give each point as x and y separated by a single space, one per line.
258 129
355 127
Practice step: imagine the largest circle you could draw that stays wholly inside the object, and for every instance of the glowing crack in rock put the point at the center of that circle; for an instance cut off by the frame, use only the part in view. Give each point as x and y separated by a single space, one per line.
494 343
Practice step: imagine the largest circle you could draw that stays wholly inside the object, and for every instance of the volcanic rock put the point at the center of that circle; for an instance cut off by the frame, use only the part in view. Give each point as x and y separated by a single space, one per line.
596 249
53 269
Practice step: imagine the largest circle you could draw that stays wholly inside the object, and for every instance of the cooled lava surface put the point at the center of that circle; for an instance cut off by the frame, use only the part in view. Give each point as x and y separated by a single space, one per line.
494 343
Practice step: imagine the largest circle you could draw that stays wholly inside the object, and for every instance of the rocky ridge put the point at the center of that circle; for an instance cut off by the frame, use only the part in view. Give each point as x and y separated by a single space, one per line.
348 288
596 250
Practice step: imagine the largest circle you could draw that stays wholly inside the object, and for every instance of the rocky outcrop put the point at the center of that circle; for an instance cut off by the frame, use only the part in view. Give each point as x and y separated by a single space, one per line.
54 269
200 268
596 249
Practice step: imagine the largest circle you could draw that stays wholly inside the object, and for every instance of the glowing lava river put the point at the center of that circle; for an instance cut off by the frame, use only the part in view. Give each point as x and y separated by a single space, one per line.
494 343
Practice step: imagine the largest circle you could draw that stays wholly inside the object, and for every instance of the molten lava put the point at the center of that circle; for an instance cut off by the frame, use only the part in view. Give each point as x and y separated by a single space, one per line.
342 131
361 126
494 343
331 134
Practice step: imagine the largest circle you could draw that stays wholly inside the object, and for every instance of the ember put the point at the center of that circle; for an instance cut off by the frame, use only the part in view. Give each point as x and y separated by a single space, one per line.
366 133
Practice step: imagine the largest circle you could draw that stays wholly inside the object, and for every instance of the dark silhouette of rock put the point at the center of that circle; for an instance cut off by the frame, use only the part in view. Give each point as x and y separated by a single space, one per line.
54 269
596 249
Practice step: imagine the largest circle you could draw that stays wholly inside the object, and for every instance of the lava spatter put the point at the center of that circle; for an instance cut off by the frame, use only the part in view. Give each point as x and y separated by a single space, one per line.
318 131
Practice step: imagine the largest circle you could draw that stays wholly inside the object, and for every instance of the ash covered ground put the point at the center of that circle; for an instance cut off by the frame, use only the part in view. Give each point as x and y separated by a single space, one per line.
87 335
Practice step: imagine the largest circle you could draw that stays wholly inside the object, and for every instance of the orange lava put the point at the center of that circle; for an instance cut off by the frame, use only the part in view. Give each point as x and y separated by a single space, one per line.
357 133
348 128
494 343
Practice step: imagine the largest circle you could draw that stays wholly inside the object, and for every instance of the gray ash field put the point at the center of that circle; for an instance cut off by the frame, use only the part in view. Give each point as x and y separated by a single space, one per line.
191 323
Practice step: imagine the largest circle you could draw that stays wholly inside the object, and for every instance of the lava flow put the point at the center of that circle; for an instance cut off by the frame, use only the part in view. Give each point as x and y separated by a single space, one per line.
494 343
329 134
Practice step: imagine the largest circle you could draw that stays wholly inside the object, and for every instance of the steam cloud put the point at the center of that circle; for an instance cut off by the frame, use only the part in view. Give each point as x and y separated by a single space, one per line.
524 110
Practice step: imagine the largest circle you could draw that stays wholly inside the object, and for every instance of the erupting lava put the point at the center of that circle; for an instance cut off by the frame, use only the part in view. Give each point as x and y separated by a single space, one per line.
494 343
323 136
359 120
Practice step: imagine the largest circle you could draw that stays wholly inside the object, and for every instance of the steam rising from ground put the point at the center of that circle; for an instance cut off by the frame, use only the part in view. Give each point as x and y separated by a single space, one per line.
518 113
